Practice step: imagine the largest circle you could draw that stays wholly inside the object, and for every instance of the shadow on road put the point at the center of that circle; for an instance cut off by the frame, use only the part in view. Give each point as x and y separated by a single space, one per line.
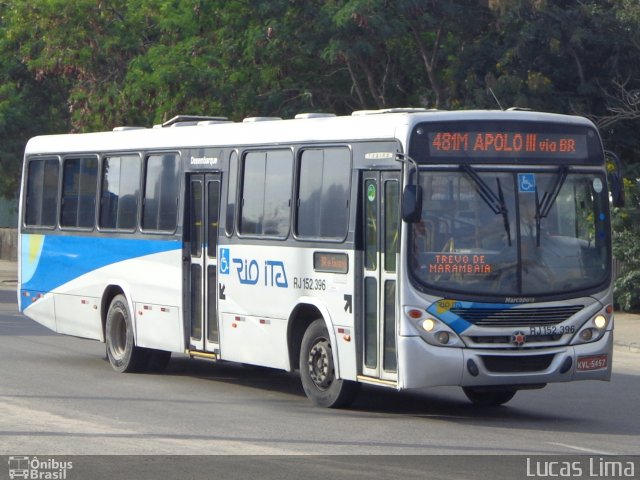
576 407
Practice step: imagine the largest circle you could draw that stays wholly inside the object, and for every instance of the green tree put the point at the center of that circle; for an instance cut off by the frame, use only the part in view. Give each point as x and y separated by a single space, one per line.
82 45
29 104
83 65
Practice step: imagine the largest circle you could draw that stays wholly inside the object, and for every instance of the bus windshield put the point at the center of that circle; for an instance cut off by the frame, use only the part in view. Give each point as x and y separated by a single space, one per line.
511 233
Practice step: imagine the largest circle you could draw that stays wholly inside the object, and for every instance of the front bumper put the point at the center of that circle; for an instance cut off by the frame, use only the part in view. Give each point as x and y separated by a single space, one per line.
423 365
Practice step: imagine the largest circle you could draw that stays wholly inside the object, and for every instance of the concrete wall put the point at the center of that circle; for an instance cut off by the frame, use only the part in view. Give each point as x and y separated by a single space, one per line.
8 244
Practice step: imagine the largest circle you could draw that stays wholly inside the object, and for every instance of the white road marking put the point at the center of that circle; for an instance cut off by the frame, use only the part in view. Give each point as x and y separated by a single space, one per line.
581 449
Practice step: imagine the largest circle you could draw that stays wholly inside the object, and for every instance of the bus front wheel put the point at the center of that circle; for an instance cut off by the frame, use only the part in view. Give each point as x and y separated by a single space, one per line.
489 397
317 370
123 354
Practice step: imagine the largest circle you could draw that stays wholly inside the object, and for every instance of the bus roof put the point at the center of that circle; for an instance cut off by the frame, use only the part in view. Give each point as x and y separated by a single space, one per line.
363 125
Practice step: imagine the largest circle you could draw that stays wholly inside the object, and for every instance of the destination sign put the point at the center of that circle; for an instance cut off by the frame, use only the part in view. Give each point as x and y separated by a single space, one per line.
330 262
507 144
459 263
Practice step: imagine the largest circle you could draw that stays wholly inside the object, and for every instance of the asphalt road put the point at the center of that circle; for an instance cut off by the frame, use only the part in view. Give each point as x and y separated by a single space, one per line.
59 396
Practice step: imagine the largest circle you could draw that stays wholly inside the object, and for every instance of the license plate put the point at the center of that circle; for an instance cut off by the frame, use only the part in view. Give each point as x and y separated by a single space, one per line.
594 362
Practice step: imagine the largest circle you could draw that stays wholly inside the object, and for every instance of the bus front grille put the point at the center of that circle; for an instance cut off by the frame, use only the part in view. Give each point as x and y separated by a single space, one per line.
516 364
506 340
516 317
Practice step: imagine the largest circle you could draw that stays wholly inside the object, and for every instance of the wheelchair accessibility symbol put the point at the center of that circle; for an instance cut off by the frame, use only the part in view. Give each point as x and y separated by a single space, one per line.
224 263
526 182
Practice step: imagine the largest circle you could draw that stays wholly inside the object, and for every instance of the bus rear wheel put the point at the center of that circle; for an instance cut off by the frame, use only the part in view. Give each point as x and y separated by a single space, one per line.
123 354
317 370
489 397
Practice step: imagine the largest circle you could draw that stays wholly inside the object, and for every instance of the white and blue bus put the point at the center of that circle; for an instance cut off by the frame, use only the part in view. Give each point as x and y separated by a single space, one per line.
405 248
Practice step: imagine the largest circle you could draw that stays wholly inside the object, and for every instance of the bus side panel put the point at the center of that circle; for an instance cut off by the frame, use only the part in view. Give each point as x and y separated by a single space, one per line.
267 283
152 285
159 326
39 306
78 315
63 279
255 340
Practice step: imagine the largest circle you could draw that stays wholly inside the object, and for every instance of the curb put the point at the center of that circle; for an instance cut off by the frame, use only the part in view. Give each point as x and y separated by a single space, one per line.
633 347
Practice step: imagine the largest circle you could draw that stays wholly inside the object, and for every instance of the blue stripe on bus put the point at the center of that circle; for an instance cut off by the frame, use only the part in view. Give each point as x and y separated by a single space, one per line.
457 323
51 261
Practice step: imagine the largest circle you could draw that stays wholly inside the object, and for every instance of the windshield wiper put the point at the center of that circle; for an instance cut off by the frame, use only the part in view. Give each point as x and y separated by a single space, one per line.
495 202
543 207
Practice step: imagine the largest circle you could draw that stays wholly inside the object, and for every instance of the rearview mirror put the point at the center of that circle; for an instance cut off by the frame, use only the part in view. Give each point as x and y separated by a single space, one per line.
617 190
412 203
616 179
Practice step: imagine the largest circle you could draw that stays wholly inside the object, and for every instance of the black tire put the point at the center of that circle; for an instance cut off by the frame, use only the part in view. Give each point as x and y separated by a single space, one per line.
489 397
122 352
317 370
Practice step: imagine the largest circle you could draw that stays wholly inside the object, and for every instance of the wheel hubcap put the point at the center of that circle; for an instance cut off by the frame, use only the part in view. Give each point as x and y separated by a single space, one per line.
321 364
118 336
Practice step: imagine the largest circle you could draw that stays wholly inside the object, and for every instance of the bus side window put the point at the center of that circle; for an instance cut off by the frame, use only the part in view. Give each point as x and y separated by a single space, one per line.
42 193
266 193
79 185
160 208
232 193
119 193
323 193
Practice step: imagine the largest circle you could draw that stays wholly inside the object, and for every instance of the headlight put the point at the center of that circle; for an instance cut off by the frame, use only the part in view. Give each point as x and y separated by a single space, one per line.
428 325
592 330
443 337
433 330
600 322
586 334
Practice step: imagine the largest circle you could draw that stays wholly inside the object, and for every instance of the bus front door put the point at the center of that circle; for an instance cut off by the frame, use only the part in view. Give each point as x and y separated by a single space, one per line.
202 245
380 215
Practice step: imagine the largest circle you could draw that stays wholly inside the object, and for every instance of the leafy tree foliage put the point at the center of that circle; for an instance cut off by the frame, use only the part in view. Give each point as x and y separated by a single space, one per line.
626 248
86 65
141 61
